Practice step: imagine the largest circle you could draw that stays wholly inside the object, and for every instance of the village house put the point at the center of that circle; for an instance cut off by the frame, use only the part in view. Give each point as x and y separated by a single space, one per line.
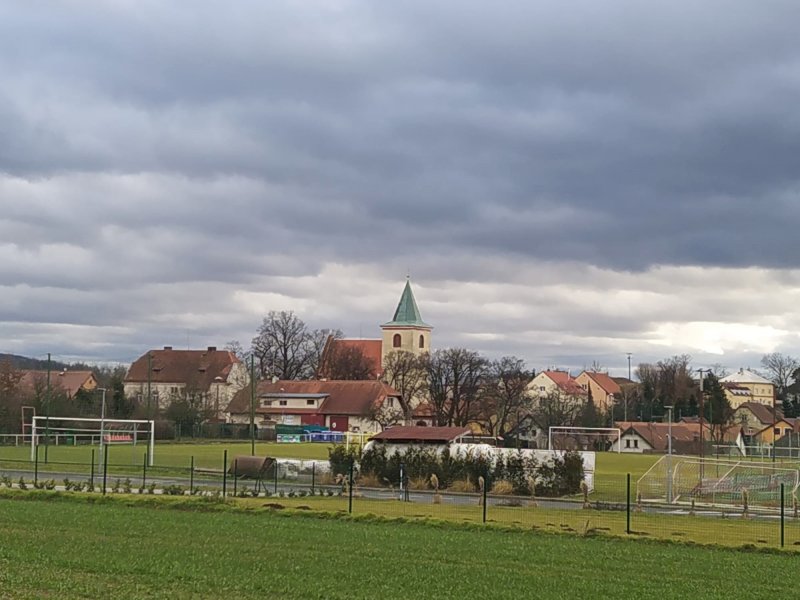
70 382
357 406
209 376
561 382
747 386
603 389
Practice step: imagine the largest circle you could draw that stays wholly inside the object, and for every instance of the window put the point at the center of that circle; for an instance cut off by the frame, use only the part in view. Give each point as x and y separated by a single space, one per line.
421 341
282 402
627 443
390 402
309 402
777 431
396 340
542 388
635 443
266 403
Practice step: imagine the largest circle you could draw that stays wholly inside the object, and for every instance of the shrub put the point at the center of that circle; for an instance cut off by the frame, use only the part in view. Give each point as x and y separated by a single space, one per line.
67 484
463 485
116 486
341 458
21 484
172 490
126 486
151 489
89 486
502 487
50 484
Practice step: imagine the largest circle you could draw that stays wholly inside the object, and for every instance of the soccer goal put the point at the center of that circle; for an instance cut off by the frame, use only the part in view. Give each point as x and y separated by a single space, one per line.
85 431
717 482
584 438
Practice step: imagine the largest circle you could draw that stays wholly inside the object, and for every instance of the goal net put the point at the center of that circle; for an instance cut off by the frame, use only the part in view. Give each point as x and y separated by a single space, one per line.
597 439
75 431
717 482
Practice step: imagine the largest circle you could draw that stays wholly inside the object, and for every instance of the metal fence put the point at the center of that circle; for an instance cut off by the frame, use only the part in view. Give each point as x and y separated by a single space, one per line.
615 507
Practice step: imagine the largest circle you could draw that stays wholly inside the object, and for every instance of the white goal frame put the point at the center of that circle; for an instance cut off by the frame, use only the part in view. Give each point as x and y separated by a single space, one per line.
38 429
586 430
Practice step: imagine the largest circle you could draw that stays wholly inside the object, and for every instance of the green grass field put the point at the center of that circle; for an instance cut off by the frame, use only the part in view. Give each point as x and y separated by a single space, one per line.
76 549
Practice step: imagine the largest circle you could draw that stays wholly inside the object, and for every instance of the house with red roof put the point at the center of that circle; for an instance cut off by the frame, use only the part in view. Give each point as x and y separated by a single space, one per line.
353 405
553 381
212 376
70 382
604 389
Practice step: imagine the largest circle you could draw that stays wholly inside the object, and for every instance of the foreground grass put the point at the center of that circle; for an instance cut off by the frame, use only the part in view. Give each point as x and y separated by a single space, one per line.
76 549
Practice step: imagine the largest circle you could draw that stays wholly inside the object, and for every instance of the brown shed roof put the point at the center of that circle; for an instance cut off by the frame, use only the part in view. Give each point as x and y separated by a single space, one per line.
191 367
70 381
422 434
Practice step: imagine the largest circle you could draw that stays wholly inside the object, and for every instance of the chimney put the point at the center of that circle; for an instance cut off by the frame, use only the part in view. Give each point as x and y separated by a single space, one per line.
167 347
212 348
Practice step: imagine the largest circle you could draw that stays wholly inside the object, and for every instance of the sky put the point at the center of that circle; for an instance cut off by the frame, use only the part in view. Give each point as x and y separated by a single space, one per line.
565 183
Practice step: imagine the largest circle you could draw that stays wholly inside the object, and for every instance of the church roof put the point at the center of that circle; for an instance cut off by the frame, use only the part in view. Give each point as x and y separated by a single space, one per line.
407 313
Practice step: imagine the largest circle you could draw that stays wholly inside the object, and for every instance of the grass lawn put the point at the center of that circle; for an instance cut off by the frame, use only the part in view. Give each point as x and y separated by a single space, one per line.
81 550
206 455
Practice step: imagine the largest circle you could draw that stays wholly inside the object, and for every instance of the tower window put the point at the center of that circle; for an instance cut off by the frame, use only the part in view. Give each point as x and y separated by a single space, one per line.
396 340
422 341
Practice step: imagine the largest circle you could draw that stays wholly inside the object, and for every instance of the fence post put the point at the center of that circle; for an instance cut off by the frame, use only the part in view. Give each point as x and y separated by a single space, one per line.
191 476
91 474
783 516
235 475
105 468
144 470
628 505
225 474
36 467
350 489
313 476
276 476
485 493
402 468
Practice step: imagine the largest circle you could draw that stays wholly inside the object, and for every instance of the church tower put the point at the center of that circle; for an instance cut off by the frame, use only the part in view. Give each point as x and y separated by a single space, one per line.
406 331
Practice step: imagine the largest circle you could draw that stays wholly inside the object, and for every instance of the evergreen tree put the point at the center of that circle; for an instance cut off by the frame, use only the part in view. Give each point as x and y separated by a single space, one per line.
590 417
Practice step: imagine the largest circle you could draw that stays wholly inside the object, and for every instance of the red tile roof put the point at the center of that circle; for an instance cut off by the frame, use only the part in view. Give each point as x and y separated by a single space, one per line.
70 381
422 434
191 367
566 383
371 349
604 381
762 412
355 398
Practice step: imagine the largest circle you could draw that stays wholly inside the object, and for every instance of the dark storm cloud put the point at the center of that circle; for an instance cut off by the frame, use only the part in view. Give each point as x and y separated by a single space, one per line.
244 146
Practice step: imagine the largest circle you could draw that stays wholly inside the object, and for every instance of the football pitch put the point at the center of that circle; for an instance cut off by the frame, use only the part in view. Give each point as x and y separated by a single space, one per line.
83 549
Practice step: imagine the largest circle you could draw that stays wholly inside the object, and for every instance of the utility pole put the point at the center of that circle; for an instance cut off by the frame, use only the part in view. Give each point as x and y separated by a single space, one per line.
149 385
47 411
253 406
625 418
774 422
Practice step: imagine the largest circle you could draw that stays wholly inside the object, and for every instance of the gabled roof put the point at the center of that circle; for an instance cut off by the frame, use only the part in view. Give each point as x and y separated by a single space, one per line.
355 398
407 312
604 381
762 412
197 368
657 434
565 382
422 434
745 376
70 381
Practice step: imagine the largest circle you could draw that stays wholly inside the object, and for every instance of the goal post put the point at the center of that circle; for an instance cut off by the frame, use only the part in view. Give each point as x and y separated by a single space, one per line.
615 433
105 432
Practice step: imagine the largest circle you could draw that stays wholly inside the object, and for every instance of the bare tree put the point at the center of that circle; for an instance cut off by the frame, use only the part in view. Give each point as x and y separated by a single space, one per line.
780 369
556 409
285 348
456 379
597 367
345 362
405 372
10 403
505 399
385 415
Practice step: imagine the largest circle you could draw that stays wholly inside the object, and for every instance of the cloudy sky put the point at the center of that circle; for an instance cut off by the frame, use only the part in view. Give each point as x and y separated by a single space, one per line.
564 183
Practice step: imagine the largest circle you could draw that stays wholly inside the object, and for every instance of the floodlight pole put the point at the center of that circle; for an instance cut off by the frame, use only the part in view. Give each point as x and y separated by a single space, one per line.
252 405
669 456
625 418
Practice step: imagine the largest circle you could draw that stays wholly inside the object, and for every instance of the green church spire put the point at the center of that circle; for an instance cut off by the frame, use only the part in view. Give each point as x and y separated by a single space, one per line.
407 313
